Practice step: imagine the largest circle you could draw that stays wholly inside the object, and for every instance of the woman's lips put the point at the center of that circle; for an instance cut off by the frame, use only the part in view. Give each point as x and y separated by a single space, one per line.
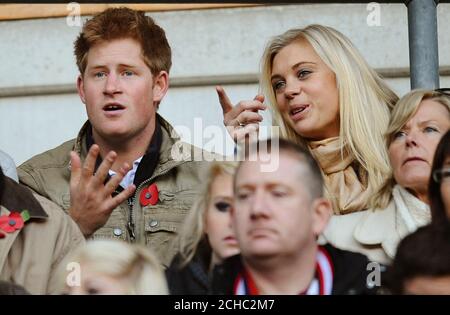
298 112
413 159
230 240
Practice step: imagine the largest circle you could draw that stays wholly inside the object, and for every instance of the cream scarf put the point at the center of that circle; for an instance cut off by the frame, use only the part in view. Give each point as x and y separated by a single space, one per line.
345 181
411 214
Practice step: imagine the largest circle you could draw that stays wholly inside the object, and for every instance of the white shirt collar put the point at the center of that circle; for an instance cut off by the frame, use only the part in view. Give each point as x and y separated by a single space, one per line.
129 177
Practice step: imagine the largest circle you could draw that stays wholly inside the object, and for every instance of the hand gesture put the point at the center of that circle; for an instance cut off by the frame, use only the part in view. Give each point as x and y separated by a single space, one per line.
243 119
91 202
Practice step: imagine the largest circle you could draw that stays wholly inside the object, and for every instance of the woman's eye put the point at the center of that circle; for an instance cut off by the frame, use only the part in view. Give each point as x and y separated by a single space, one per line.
430 129
222 206
399 134
278 85
446 173
303 73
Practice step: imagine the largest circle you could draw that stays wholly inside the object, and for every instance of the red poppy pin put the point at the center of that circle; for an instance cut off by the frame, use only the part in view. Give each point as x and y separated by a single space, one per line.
14 221
149 195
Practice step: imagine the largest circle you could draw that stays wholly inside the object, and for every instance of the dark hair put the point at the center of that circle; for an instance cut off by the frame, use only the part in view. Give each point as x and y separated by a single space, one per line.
424 253
119 23
438 213
304 156
9 288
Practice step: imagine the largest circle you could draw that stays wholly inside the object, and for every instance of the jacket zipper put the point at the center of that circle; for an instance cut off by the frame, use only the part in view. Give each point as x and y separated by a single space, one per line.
131 221
130 224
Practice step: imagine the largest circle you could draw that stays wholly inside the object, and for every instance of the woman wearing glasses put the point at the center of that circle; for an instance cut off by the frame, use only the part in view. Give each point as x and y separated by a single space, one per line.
324 95
439 188
418 122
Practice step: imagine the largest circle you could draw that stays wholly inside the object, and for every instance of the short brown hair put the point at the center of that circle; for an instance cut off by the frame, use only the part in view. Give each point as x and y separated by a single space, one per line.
118 23
314 181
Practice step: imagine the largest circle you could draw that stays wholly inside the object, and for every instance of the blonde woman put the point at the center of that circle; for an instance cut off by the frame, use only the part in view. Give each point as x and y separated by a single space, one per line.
323 94
207 236
418 122
115 267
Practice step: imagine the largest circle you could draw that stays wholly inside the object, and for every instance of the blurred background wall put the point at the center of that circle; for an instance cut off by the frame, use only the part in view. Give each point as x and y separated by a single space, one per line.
222 44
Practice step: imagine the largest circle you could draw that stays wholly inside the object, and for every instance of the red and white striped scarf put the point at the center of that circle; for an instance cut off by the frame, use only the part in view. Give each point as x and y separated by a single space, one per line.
322 284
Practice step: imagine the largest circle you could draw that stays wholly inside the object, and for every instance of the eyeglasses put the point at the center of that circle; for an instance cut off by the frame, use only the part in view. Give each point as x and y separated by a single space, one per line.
445 91
441 175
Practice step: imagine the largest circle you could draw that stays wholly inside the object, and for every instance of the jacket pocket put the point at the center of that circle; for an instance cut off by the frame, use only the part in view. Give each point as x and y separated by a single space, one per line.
115 227
111 232
161 228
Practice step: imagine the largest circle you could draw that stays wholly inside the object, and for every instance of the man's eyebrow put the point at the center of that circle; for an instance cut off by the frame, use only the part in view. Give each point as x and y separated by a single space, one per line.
245 186
97 67
125 65
121 65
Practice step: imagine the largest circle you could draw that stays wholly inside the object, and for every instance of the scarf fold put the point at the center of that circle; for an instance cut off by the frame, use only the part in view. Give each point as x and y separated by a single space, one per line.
410 214
345 180
413 212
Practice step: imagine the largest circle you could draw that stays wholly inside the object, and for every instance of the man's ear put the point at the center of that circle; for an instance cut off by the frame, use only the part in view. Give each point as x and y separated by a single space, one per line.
322 212
80 88
160 86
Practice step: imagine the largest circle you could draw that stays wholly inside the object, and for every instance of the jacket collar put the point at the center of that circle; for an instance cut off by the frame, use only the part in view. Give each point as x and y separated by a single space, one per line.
170 138
16 197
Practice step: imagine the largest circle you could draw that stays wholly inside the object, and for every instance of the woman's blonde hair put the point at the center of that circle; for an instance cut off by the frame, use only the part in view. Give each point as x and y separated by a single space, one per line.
403 111
121 260
193 230
365 100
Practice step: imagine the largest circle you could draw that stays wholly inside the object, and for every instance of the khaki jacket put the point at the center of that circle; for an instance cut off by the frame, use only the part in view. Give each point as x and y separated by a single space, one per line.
34 255
177 180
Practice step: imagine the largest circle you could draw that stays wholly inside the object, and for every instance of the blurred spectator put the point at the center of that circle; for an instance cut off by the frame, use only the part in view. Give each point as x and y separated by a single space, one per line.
36 238
439 188
8 288
114 267
277 217
418 122
207 237
422 263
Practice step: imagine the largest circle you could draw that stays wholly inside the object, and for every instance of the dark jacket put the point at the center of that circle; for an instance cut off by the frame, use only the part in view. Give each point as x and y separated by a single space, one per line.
350 273
8 288
192 278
